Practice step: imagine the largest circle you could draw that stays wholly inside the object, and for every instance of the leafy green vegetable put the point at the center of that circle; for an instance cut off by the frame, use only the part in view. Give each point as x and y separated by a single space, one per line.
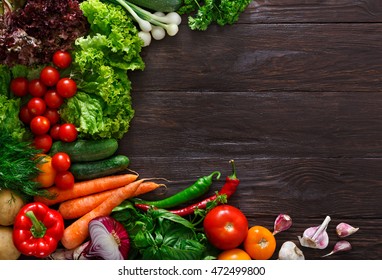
206 12
9 108
18 166
102 107
160 234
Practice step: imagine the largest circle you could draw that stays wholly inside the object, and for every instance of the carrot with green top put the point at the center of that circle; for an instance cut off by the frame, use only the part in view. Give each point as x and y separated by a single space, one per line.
84 188
76 233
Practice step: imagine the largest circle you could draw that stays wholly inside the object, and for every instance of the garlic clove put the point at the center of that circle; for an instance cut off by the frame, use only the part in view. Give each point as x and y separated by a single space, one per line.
282 222
344 230
316 237
340 246
290 251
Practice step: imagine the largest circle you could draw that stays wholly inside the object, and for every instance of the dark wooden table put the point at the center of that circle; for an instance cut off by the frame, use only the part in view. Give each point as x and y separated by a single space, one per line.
292 93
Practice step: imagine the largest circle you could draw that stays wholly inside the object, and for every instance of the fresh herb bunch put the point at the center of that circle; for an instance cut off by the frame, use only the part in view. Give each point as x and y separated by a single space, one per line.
204 13
160 234
18 166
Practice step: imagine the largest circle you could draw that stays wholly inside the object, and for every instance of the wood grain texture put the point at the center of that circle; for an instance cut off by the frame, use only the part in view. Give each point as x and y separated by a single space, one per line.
316 11
271 57
292 93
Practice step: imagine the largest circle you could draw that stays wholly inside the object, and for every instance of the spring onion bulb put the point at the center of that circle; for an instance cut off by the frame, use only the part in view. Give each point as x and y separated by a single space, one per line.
158 33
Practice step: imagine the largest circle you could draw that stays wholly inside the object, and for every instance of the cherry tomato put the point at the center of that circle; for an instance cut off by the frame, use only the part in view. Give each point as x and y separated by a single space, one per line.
64 180
19 86
260 243
25 116
36 88
48 173
52 115
49 76
53 99
61 161
226 227
36 106
40 125
66 87
43 142
54 132
62 59
234 254
68 132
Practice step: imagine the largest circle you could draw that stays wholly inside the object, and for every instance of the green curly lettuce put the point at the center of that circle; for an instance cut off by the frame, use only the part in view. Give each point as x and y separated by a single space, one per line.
102 107
10 108
206 12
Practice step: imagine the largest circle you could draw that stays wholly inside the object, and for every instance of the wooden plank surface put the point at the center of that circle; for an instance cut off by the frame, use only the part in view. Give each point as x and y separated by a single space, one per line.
292 93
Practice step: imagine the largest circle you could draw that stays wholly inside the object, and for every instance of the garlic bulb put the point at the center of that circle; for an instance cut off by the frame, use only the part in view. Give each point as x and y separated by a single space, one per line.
290 251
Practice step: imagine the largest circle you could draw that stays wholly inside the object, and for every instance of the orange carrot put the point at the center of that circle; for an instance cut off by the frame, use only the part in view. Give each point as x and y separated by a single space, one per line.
76 233
87 187
77 207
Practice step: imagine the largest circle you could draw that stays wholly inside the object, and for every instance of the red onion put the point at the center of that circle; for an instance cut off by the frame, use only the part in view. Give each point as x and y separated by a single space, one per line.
109 240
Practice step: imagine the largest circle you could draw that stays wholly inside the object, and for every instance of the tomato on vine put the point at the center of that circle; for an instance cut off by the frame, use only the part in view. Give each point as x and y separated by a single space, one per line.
53 115
36 88
225 226
40 125
49 76
66 87
61 161
260 243
43 142
36 106
62 59
53 99
64 180
68 132
19 86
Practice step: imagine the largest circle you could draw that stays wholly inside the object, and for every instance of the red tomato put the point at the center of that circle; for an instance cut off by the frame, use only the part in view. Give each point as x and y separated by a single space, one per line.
66 87
49 76
19 86
226 227
234 254
36 88
24 115
62 59
61 161
64 180
68 132
43 142
260 243
54 132
52 115
36 106
53 99
40 125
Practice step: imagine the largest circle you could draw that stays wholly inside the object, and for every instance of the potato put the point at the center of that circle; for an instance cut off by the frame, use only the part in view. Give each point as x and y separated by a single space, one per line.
10 205
8 250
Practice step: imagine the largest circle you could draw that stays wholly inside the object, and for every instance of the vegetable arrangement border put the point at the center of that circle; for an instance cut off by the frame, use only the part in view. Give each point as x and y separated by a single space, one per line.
64 104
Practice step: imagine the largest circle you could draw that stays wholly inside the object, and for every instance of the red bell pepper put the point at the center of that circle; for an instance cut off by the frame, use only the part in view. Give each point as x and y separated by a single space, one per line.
37 230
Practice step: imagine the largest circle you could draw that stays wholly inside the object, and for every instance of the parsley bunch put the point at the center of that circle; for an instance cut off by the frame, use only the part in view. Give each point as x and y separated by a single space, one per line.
204 13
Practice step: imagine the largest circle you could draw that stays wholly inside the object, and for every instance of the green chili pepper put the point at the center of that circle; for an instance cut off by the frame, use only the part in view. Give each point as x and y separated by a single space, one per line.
200 187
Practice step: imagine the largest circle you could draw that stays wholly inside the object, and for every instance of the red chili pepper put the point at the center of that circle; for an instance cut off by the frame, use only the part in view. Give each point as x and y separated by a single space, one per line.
37 230
228 189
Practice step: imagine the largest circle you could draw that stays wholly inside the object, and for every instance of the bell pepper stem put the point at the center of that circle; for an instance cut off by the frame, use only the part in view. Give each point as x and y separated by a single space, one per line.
37 229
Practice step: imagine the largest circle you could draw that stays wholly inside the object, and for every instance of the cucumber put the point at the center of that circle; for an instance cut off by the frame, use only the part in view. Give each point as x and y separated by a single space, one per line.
99 168
165 6
86 150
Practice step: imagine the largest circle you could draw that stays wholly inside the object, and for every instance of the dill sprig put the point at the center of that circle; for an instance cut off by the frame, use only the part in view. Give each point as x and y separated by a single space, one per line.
18 166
